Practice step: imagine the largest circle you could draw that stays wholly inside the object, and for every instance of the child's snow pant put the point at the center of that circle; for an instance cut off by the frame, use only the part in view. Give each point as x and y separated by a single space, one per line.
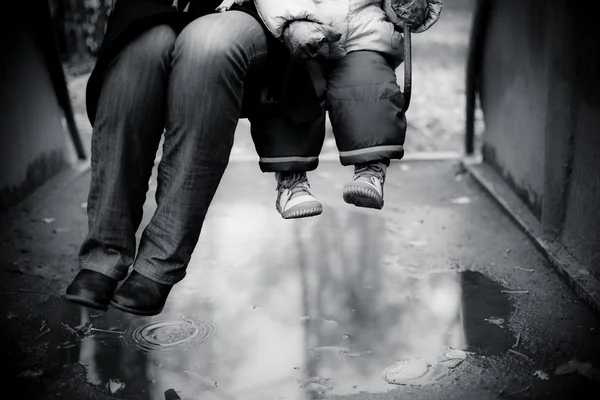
364 102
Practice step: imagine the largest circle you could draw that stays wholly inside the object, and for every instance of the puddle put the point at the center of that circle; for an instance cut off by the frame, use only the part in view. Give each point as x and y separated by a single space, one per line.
483 301
168 335
334 317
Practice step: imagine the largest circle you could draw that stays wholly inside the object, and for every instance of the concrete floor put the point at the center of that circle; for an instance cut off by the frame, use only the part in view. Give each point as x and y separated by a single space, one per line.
306 309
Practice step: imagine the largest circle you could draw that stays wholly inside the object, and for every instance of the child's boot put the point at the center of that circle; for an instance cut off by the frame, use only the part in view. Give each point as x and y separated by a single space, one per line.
366 190
294 198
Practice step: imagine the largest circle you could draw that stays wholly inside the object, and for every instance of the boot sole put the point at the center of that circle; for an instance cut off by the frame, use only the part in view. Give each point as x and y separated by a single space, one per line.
84 302
129 310
303 211
362 197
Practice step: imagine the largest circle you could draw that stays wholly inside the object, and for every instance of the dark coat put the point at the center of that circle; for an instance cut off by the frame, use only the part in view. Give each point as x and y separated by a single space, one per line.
130 18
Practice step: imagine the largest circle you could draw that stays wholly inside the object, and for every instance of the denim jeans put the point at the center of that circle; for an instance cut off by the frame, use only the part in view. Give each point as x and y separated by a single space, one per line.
191 87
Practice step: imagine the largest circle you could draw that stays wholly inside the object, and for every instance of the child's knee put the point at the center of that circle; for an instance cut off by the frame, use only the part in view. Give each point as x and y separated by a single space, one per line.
364 76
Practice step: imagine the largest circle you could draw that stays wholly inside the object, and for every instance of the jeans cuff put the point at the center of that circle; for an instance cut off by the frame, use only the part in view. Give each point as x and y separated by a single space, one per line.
153 276
114 273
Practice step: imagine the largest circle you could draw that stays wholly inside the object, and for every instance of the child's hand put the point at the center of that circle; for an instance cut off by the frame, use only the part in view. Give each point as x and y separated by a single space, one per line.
226 4
304 38
418 15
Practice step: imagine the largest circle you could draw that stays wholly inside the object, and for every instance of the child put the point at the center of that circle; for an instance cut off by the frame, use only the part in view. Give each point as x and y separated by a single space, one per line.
356 49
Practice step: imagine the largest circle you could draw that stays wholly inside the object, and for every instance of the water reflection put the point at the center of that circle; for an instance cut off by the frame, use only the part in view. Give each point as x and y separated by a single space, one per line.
290 310
364 314
94 340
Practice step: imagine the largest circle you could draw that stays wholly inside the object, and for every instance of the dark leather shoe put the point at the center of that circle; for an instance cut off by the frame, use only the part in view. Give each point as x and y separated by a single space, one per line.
139 295
91 289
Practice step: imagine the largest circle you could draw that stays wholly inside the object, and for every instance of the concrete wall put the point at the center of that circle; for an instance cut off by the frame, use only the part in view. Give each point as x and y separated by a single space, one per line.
34 145
540 92
513 96
581 228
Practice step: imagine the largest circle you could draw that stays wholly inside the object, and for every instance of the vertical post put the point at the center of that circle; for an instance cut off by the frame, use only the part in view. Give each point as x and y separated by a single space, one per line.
473 73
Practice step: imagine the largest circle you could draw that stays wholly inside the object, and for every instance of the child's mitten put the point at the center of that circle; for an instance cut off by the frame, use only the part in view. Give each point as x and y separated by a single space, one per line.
418 15
434 12
304 38
411 12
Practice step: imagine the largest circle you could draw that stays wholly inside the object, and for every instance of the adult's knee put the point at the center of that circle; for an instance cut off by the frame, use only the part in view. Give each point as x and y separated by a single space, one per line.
220 40
153 47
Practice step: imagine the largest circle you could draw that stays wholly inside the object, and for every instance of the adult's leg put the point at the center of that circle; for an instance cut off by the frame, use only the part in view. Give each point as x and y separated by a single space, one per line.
211 58
129 122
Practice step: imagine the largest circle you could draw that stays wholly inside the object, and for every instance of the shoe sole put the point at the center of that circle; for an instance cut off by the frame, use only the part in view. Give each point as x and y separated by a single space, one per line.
362 197
86 303
303 211
144 313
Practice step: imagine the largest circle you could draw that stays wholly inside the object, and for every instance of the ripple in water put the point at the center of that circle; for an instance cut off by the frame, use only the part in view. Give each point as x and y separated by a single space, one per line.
169 335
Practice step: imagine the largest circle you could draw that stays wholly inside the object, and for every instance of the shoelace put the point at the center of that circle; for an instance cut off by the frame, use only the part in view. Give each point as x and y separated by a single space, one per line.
371 170
295 183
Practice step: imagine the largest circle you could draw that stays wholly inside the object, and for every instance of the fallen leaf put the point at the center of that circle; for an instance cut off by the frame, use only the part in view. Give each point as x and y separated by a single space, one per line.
495 321
48 220
402 372
565 369
584 368
541 375
115 386
455 353
461 200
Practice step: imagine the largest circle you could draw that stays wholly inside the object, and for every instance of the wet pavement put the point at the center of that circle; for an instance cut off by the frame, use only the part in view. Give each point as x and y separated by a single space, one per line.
437 296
